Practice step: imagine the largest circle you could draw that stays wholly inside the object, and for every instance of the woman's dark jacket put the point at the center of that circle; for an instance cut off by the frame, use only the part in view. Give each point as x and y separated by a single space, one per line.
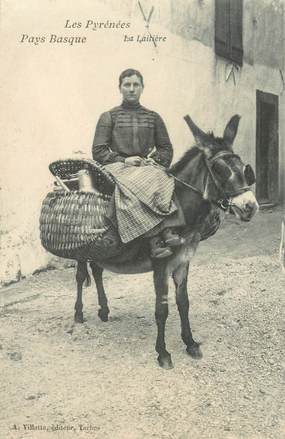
129 130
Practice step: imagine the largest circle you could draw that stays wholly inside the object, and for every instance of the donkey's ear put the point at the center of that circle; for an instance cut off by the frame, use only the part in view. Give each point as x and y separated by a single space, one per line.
201 138
231 130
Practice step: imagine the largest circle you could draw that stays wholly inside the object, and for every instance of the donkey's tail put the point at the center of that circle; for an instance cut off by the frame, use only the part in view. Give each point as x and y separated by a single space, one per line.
82 275
88 278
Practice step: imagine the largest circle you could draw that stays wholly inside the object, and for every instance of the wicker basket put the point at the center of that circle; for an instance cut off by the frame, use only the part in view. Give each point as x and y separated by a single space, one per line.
73 225
66 170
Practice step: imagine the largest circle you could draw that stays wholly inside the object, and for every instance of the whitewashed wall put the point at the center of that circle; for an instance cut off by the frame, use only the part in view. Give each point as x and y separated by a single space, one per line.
53 94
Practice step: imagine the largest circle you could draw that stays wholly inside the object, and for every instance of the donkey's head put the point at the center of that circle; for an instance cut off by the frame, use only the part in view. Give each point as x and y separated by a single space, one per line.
228 176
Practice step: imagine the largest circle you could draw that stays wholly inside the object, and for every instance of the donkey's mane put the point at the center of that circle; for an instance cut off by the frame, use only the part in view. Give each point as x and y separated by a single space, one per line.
189 155
193 151
214 139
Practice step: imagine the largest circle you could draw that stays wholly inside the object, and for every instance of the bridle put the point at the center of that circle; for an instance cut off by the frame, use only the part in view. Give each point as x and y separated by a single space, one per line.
226 201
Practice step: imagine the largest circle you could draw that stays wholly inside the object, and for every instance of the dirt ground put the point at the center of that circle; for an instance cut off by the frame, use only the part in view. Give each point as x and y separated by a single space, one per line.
101 380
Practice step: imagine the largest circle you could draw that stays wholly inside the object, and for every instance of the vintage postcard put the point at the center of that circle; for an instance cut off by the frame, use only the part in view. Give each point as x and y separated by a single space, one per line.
142 151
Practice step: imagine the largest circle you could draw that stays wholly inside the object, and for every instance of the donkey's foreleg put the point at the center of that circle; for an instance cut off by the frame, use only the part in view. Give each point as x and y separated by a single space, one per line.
180 276
103 311
81 275
160 277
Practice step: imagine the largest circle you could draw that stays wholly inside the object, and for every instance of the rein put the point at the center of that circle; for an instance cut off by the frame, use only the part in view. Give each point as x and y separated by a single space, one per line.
223 203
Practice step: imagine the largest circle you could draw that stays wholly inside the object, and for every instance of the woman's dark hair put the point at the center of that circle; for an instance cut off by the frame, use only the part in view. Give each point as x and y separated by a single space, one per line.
130 72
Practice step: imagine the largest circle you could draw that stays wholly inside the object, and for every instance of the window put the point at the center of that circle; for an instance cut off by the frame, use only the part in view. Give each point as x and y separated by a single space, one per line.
228 30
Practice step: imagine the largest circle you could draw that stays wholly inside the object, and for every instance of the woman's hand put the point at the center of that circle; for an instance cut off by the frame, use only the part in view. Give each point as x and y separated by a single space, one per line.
149 161
134 160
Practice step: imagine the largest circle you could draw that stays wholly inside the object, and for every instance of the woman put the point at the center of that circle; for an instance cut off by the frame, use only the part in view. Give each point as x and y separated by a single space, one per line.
132 141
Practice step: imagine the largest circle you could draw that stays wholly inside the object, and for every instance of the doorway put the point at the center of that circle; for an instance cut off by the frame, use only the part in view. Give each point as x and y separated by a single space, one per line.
267 148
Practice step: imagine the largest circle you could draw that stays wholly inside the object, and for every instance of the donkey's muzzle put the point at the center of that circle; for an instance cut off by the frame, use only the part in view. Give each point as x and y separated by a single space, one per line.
244 206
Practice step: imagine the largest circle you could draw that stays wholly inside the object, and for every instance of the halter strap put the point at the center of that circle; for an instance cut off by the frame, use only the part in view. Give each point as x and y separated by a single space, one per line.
222 154
223 203
212 160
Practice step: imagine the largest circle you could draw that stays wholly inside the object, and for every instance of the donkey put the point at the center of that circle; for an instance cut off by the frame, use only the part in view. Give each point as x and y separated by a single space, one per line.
209 178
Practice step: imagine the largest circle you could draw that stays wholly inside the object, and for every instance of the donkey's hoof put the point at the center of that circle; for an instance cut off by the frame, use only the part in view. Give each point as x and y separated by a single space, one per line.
103 314
194 351
78 318
165 361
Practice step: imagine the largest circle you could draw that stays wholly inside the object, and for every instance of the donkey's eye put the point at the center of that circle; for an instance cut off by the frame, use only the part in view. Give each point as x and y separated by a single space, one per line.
221 170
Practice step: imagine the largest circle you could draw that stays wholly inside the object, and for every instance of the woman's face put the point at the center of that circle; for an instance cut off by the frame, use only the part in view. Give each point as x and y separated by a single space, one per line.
131 89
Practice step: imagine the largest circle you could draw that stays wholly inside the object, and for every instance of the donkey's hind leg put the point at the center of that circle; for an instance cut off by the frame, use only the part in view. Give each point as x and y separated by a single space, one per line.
180 280
81 275
103 311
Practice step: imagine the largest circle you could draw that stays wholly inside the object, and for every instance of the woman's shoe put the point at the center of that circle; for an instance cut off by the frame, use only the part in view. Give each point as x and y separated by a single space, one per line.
157 249
172 238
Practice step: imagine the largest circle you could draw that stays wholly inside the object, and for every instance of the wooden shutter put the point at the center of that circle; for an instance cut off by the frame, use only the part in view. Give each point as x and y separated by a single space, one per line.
236 10
222 28
228 29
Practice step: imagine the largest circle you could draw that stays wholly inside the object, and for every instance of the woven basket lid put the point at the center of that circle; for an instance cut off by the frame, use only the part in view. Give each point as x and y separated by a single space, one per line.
66 169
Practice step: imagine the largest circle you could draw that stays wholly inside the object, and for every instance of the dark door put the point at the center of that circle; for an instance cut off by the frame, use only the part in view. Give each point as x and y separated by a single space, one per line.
267 164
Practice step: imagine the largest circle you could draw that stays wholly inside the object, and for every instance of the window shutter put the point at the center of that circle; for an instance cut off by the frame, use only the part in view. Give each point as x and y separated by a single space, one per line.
236 12
228 29
222 28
